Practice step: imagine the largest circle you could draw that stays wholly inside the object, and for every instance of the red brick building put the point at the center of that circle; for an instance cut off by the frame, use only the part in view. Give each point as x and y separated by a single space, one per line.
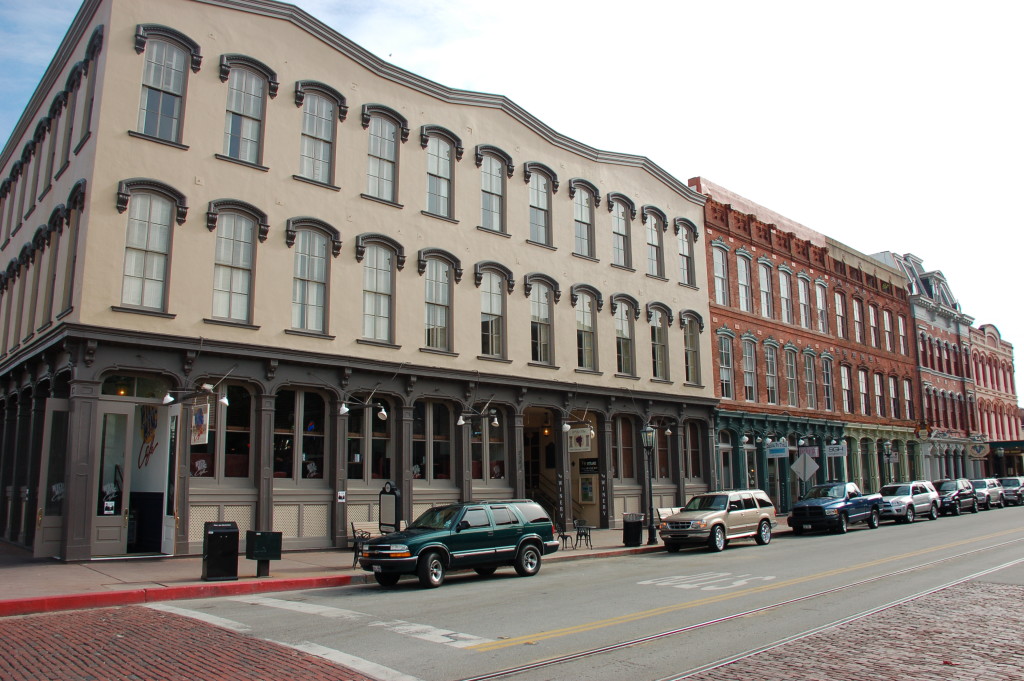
811 350
998 413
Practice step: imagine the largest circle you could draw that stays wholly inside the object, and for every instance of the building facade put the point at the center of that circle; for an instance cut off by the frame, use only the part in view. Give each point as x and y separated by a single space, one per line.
998 414
254 272
812 354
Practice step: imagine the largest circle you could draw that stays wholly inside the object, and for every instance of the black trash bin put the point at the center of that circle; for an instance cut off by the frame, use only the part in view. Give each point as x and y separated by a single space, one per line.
220 552
632 529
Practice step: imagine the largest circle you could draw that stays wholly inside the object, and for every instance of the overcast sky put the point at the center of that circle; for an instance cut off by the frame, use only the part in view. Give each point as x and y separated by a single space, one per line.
886 125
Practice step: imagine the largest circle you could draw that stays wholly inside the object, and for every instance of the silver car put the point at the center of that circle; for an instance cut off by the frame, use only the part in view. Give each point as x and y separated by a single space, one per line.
904 501
1013 490
990 493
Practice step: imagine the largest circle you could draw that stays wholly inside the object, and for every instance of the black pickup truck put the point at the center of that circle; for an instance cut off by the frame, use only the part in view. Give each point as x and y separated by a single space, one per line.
834 506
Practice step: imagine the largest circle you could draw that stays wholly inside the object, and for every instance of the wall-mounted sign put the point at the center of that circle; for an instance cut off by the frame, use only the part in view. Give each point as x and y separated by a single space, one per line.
579 439
835 450
588 467
777 450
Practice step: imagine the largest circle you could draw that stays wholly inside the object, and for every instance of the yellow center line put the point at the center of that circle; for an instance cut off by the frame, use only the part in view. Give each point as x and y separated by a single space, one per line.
664 610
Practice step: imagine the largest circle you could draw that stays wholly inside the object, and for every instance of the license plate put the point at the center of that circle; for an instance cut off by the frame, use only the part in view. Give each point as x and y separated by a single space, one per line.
807 527
376 568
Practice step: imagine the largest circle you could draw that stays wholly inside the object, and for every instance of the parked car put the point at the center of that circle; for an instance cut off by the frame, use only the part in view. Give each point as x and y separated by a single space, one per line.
834 506
715 518
478 535
904 501
1013 490
956 496
990 492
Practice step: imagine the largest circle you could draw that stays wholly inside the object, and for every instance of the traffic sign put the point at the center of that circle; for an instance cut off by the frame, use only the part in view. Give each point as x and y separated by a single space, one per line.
804 467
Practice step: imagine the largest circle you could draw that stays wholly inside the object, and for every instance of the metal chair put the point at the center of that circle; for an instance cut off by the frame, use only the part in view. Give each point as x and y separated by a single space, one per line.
582 533
565 538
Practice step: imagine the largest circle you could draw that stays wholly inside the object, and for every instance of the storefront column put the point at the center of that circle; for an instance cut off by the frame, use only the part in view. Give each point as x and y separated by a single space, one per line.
519 455
339 430
83 407
403 459
607 488
30 477
265 462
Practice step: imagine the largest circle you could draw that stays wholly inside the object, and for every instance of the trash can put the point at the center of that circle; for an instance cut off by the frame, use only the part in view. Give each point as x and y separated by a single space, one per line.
632 528
220 552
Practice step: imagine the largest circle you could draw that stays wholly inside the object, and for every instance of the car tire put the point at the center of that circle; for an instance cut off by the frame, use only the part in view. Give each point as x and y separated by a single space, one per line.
910 515
431 570
956 508
386 579
843 525
873 519
974 507
485 571
528 561
1002 501
764 533
933 512
716 542
672 548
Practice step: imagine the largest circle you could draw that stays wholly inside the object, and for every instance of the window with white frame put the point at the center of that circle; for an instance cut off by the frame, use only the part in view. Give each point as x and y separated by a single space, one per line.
858 320
378 285
841 329
894 398
439 176
492 315
316 146
691 350
492 194
764 275
621 252
243 121
370 450
908 401
873 326
786 296
684 244
624 356
749 371
586 333
821 306
164 77
862 391
487 444
746 296
721 274
147 251
725 376
623 447
437 305
846 384
309 283
583 222
826 385
771 373
810 382
655 260
887 329
792 385
540 208
382 174
300 429
232 271
540 324
659 344
879 396
902 327
804 294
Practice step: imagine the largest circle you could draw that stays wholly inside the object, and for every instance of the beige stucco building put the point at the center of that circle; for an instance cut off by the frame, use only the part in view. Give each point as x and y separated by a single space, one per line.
255 271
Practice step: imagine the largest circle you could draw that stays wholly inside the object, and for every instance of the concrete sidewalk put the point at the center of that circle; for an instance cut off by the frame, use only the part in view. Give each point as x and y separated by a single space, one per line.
33 585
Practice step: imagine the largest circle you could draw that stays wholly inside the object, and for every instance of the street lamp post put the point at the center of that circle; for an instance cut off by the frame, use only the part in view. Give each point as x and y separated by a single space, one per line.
888 459
647 438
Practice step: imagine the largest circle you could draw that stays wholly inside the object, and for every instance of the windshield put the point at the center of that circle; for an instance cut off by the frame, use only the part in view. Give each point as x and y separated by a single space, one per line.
1010 482
708 502
827 492
436 518
895 491
948 486
979 484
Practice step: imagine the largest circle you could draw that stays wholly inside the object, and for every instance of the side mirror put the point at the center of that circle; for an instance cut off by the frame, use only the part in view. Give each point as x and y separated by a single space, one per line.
463 525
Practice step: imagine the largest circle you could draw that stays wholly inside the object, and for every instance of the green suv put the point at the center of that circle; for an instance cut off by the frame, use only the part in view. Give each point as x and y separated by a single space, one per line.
477 535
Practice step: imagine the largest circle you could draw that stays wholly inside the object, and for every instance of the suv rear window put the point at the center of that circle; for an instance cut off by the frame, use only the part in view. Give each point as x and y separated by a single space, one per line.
533 512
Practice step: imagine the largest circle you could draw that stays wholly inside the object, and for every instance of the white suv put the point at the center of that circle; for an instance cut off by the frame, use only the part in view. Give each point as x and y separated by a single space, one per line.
990 493
904 501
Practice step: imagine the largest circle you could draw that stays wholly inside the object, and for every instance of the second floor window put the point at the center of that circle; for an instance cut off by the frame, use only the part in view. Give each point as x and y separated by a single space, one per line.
749 371
492 315
492 195
147 249
439 177
879 396
437 305
908 401
826 385
804 293
232 272
377 296
764 274
841 329
862 391
894 398
163 90
659 345
624 340
540 324
583 223
383 159
786 296
316 153
309 286
540 209
621 254
243 127
743 283
771 373
655 262
585 333
721 267
725 378
887 329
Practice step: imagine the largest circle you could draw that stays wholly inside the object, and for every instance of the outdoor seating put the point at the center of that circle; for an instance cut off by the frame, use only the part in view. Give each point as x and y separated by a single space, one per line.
582 534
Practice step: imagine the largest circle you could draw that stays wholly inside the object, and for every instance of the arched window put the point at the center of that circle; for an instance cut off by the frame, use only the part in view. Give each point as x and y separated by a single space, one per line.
443 149
621 249
322 108
743 283
543 182
685 236
586 332
658 319
237 224
164 80
494 165
541 320
433 427
385 126
654 219
764 277
771 372
249 83
691 348
309 283
438 305
721 275
226 455
583 222
493 280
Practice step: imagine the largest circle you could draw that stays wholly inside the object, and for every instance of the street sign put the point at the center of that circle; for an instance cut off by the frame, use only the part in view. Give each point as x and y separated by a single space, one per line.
835 450
778 450
804 467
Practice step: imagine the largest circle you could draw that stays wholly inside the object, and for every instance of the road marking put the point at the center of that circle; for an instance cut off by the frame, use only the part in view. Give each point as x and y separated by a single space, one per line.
704 580
202 616
371 669
424 632
667 609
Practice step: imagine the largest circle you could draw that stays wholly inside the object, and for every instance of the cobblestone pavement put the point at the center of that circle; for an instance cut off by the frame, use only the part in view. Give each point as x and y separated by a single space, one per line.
967 632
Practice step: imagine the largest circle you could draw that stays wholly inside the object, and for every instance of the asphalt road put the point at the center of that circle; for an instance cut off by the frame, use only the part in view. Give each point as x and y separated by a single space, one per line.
652 616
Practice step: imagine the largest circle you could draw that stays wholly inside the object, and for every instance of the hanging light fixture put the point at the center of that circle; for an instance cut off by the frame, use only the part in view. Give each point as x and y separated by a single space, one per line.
566 427
382 414
494 420
168 398
668 430
461 421
223 400
343 409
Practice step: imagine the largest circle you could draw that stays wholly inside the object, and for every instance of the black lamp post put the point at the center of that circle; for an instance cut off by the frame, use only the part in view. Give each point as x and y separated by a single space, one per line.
647 438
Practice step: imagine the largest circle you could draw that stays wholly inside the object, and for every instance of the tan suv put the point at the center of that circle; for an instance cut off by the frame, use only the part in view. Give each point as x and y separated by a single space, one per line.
714 518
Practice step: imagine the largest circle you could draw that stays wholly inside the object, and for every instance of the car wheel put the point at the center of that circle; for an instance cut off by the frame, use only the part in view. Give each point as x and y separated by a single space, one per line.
386 578
485 571
974 507
843 525
1002 502
764 533
716 542
431 570
910 514
956 508
528 561
672 548
933 513
873 520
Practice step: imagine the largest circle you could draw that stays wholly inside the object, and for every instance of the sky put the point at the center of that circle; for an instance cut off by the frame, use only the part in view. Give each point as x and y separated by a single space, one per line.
887 125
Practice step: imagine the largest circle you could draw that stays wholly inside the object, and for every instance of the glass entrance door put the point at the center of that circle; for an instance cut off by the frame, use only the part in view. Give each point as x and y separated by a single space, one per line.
113 480
50 511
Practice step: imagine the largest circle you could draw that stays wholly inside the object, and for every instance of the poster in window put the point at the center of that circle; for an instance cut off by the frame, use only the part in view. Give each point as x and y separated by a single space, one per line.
200 420
587 490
